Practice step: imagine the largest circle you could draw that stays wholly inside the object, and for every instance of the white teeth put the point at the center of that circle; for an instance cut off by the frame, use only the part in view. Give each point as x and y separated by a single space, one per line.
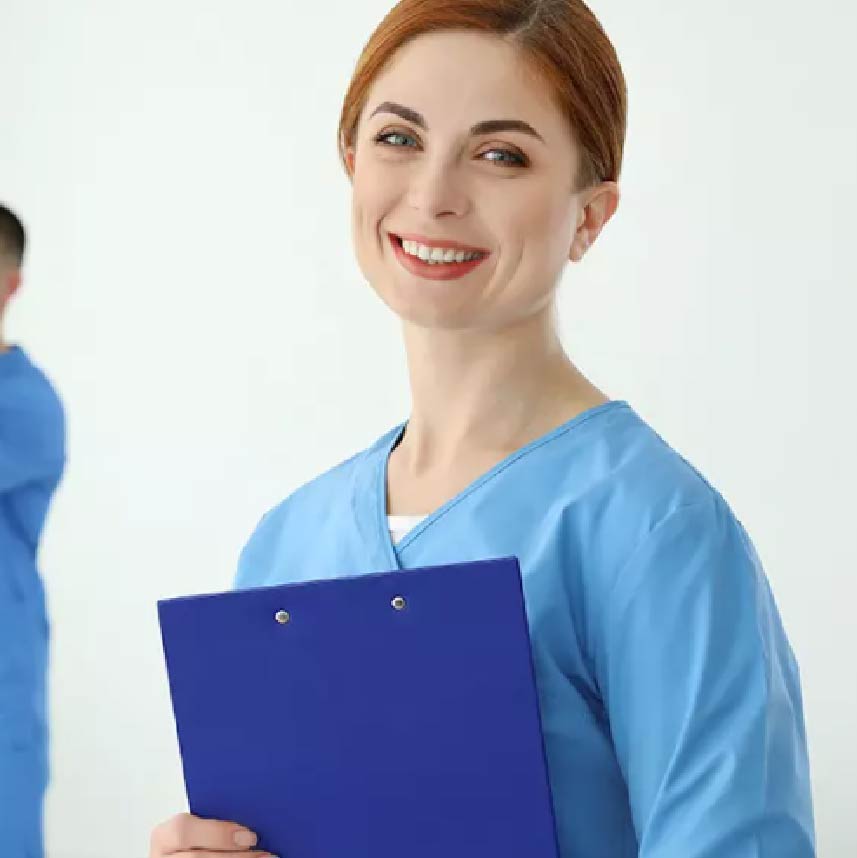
436 255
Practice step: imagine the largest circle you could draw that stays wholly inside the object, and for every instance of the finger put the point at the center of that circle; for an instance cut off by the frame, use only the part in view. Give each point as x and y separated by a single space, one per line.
186 832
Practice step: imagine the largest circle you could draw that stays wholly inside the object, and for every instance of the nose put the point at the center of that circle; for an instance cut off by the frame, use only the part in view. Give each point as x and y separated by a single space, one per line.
437 188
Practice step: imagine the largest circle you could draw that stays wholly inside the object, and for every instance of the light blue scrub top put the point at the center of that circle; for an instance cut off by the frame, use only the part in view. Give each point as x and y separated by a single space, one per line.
32 456
669 695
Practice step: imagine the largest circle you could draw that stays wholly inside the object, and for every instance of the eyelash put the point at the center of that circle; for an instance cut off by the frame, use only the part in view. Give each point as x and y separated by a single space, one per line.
520 160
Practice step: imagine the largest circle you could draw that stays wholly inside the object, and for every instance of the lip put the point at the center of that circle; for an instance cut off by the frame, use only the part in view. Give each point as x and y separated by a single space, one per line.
432 272
436 242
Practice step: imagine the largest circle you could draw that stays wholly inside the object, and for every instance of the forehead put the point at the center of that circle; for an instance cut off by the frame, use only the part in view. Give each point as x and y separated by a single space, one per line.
458 76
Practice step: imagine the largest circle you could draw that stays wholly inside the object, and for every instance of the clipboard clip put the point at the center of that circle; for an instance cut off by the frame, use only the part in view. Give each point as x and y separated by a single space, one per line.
397 603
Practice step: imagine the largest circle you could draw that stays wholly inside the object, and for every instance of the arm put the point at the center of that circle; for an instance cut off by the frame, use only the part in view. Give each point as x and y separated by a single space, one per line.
703 696
31 436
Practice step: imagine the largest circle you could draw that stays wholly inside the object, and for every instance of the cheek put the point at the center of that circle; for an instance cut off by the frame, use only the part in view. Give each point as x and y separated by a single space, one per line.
374 189
537 238
371 203
544 222
526 244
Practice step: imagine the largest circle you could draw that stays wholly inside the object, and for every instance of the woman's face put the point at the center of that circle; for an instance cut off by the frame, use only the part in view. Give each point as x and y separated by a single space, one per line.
505 190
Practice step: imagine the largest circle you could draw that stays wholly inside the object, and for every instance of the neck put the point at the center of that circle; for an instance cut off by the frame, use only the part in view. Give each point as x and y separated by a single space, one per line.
488 391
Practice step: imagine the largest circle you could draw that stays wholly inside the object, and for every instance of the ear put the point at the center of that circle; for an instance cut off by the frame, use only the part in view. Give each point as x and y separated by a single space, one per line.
599 206
349 161
10 281
15 279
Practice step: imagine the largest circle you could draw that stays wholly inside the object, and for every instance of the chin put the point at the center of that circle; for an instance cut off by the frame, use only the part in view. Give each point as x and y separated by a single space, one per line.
432 308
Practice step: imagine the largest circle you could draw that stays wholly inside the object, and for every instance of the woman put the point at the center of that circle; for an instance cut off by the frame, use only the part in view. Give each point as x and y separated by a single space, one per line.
488 136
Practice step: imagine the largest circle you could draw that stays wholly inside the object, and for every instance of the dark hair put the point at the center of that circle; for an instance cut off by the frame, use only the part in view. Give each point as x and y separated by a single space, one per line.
563 41
13 236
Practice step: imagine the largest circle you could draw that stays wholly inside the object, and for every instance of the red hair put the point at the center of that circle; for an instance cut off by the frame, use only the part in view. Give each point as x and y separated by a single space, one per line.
562 41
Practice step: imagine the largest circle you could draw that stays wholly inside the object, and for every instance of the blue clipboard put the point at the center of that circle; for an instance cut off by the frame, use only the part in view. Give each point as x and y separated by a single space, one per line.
385 715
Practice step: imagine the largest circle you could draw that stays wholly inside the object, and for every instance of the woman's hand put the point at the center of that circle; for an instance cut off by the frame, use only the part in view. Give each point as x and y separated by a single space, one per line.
188 836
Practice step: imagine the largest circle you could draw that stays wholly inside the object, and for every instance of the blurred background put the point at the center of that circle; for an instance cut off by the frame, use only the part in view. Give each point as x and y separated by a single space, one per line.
192 291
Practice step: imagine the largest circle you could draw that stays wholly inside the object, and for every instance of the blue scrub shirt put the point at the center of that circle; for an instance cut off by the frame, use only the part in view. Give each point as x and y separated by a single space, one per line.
32 456
669 694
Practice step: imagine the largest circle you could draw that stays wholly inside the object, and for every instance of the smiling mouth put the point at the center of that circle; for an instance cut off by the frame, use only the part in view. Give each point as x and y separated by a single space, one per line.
453 264
431 255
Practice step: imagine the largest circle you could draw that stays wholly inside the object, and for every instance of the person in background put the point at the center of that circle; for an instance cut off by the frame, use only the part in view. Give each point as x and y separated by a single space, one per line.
32 459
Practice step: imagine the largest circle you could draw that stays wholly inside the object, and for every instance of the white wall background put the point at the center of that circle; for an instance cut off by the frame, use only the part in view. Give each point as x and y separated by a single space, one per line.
192 290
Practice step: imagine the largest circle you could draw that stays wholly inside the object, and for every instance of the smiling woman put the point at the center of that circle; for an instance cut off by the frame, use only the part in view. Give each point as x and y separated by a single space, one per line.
498 143
483 142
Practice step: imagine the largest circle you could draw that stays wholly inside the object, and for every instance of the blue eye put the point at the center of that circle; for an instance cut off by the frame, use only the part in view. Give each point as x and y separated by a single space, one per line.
516 160
382 138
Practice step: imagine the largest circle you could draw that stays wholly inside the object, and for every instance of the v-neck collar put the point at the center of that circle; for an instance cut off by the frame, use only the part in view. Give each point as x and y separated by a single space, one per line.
389 550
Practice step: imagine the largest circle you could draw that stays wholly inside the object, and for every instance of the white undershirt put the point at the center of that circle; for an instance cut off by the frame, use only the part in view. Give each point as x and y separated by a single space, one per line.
400 525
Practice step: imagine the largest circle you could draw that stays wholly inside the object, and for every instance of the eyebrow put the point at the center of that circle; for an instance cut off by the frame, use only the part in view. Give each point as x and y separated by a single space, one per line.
487 126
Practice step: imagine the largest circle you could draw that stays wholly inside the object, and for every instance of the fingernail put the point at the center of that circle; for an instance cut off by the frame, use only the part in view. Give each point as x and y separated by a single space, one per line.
245 839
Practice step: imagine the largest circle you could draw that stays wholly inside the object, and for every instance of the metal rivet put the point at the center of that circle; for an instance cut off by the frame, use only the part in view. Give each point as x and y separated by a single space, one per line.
282 617
399 603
